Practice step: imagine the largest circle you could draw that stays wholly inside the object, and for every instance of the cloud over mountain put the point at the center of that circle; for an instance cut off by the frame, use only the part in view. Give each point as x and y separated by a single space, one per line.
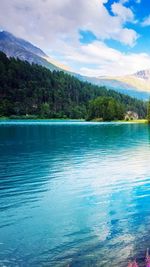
48 19
55 25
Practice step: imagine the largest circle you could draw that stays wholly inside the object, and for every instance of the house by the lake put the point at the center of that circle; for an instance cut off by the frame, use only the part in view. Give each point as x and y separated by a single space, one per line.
131 115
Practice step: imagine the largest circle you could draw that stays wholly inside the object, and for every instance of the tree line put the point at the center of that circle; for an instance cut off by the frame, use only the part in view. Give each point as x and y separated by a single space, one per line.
35 90
105 109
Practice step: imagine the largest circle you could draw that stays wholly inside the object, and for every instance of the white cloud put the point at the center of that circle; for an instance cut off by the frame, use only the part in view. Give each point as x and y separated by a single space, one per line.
108 61
46 21
124 13
146 22
97 59
54 26
126 1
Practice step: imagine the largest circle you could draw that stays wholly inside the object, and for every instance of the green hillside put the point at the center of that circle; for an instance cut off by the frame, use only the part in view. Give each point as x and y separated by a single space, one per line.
32 89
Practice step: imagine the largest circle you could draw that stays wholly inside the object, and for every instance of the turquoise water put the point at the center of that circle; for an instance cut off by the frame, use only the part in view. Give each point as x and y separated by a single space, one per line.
73 193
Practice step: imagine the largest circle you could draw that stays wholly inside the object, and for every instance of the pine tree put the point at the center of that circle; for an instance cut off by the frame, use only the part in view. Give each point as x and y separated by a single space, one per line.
148 111
35 90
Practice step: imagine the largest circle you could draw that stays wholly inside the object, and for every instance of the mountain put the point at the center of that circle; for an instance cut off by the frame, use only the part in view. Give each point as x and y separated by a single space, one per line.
144 75
19 48
135 85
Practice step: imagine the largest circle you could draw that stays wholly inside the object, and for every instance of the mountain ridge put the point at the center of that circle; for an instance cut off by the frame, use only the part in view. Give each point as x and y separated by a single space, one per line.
135 85
19 48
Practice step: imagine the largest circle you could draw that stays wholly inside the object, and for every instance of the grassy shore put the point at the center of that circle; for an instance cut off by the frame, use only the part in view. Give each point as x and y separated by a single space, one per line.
32 117
124 121
134 121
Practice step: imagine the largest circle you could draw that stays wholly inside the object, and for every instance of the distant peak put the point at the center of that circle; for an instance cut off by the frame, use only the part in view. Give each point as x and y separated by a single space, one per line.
143 74
6 35
20 43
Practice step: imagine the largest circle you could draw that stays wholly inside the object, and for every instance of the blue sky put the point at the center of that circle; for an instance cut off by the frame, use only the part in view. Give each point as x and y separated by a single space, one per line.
95 38
141 10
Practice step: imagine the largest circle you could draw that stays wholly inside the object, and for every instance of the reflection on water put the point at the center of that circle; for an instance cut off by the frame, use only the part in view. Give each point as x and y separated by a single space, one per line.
73 193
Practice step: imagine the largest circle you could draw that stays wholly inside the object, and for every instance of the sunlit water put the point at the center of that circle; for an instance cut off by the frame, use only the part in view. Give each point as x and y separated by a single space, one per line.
74 193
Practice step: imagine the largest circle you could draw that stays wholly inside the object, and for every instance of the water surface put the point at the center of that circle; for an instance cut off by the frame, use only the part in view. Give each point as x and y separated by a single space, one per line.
73 193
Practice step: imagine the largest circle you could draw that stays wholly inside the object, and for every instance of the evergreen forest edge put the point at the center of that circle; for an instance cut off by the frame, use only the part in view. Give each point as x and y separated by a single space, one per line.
34 91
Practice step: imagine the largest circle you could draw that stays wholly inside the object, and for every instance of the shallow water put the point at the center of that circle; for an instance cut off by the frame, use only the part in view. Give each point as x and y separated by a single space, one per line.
73 193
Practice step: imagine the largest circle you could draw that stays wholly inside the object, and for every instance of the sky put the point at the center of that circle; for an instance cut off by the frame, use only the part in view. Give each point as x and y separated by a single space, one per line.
90 37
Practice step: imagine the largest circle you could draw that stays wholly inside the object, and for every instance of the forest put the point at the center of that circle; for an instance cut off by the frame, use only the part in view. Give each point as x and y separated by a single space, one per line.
34 90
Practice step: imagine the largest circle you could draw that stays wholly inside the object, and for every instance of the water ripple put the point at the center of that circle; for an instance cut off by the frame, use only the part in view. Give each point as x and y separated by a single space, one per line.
73 193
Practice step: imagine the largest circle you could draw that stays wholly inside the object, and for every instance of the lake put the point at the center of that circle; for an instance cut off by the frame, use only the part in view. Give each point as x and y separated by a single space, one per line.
73 193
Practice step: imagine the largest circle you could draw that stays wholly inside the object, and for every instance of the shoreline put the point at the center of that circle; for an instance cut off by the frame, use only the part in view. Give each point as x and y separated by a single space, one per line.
46 119
140 121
